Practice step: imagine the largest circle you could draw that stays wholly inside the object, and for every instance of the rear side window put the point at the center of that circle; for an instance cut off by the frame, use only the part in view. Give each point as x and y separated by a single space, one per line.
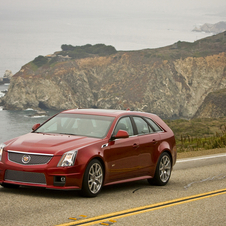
142 126
154 125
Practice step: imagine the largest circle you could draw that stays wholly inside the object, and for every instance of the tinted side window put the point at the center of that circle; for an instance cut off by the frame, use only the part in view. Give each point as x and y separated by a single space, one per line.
142 126
124 124
154 125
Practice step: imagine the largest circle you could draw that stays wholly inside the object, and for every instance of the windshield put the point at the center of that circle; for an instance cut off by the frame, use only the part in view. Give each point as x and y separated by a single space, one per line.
76 124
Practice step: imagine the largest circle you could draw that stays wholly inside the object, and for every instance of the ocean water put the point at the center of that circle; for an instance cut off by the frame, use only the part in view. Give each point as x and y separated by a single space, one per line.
33 28
16 123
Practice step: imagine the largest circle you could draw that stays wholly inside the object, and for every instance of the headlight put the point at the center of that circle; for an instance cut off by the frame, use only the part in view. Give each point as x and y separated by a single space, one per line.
68 159
1 150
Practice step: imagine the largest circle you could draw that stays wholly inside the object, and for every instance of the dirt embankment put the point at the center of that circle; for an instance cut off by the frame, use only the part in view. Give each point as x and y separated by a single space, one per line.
200 153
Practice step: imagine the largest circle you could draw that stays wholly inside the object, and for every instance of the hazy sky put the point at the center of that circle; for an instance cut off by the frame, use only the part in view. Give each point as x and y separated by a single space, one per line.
29 28
106 8
115 6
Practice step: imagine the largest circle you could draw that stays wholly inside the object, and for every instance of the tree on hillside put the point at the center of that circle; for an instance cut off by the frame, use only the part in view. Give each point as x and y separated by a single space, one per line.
86 50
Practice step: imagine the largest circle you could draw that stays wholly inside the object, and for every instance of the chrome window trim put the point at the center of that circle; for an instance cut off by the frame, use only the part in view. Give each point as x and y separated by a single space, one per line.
143 117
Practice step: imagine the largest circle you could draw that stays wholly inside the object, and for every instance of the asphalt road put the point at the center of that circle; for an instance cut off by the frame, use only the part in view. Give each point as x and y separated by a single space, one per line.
185 200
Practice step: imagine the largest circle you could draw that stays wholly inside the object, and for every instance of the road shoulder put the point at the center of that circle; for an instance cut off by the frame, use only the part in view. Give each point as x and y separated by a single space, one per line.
200 153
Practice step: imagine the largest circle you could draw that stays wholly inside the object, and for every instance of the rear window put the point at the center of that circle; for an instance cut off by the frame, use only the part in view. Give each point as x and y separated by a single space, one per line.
142 126
154 125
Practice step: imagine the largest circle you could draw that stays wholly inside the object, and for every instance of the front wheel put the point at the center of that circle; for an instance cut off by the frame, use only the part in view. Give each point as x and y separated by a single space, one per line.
93 179
163 170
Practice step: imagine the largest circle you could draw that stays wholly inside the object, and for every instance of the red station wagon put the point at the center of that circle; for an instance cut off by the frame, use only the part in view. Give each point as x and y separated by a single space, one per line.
86 149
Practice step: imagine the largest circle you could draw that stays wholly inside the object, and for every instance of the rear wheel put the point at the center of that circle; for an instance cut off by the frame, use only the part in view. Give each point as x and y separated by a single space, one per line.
93 179
163 170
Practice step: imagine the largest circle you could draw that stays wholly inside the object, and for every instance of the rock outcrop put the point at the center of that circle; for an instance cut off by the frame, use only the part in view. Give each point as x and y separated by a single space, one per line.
212 28
214 105
172 81
6 77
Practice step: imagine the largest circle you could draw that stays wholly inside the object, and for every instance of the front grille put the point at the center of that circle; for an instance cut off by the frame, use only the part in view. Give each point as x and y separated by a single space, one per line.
34 159
25 177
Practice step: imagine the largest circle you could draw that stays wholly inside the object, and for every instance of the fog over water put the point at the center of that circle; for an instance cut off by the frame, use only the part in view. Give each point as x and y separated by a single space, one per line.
32 28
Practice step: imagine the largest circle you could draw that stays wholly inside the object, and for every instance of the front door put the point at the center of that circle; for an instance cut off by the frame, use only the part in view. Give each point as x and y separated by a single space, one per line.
122 154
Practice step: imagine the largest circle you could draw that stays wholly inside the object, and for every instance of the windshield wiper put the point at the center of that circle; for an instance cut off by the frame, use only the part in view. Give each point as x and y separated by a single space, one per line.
72 134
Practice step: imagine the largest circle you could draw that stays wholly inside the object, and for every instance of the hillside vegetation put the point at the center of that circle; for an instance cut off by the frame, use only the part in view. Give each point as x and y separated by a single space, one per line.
75 52
198 134
179 50
78 52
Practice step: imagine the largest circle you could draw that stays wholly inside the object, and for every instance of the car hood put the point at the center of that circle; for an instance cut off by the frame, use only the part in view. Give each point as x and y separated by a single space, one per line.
49 143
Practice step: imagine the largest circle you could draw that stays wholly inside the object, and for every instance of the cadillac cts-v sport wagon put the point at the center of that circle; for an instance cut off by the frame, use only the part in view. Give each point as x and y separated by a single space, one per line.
85 149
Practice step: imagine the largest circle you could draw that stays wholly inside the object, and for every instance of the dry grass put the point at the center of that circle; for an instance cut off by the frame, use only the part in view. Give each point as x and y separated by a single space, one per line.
190 154
199 134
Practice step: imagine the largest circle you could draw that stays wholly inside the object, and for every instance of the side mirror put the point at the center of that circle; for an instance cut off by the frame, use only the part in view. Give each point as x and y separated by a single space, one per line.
36 126
120 134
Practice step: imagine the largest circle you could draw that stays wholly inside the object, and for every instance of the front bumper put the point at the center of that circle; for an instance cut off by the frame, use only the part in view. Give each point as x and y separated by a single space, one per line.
46 175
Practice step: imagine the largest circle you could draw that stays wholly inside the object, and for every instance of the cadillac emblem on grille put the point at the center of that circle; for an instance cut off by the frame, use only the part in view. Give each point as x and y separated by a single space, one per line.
26 159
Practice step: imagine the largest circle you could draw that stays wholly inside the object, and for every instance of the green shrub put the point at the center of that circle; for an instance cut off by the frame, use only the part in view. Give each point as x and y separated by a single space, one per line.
87 50
67 47
40 61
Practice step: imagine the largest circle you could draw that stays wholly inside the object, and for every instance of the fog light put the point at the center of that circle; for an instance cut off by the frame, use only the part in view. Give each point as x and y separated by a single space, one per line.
59 181
62 179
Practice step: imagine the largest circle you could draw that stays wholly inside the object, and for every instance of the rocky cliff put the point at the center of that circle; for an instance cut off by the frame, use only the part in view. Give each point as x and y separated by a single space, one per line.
214 105
172 81
212 28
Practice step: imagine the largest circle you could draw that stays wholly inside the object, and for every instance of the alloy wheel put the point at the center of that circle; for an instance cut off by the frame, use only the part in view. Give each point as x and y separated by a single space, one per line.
165 168
95 178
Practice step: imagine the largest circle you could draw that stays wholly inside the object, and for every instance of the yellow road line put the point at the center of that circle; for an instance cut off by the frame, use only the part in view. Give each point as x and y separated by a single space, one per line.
144 209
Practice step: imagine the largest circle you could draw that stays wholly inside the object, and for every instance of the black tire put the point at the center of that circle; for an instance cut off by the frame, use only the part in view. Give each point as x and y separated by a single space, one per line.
163 170
93 179
5 185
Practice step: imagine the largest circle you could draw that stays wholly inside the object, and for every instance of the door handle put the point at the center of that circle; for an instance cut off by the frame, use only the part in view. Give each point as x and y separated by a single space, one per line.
154 141
135 145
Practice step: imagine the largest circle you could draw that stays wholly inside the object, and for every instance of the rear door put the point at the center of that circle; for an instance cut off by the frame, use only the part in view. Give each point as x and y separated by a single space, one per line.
149 140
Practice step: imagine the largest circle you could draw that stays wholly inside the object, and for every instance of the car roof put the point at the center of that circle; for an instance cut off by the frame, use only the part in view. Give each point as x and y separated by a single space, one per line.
105 112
